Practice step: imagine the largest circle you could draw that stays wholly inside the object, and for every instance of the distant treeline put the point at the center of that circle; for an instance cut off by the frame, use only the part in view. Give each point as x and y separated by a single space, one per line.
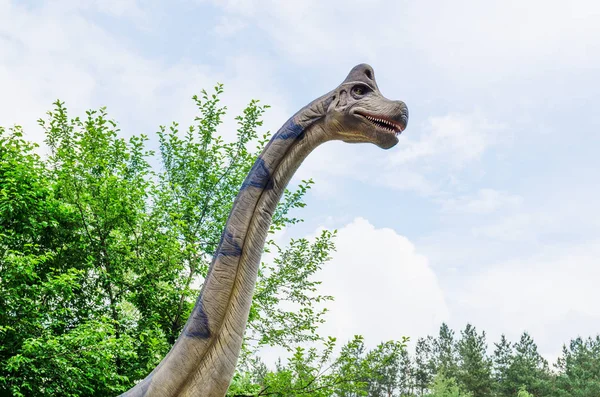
446 365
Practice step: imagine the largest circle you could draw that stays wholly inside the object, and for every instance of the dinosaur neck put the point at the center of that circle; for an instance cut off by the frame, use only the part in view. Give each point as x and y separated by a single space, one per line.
203 359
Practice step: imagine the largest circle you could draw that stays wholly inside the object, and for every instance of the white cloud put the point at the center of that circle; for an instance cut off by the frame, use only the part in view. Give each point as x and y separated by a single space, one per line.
63 55
519 227
494 39
542 294
405 179
383 288
454 139
119 8
300 29
229 26
465 39
485 201
332 164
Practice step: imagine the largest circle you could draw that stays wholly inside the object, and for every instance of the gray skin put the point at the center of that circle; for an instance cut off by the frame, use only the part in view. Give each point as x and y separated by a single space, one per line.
203 359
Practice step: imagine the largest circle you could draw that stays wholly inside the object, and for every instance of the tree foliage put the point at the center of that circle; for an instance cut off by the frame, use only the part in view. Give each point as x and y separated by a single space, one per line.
474 366
579 368
102 255
354 372
446 387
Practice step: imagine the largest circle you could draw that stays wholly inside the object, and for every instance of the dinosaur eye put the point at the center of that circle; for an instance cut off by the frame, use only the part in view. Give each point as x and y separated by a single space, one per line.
359 90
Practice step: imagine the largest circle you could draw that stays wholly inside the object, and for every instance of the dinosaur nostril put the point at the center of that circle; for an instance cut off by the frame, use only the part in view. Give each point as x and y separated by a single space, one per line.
369 74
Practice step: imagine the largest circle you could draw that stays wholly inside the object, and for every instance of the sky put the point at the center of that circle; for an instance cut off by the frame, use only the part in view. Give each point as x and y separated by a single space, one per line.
486 212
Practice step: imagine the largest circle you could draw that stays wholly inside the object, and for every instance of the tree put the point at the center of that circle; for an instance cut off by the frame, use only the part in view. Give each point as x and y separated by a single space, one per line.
474 374
579 368
524 393
502 362
527 368
317 372
351 367
444 352
446 387
101 256
406 374
424 366
384 365
289 279
57 327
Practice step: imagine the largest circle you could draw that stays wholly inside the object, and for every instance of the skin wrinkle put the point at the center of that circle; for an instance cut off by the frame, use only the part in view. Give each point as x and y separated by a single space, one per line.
203 366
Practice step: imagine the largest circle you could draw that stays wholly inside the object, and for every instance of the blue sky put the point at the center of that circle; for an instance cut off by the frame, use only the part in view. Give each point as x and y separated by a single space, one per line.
485 212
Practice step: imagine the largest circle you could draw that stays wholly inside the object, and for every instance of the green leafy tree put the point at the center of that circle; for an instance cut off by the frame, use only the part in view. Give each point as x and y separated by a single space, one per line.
579 368
502 362
58 329
289 280
384 366
308 372
527 369
444 352
524 393
352 368
446 387
317 372
424 365
101 256
406 374
475 368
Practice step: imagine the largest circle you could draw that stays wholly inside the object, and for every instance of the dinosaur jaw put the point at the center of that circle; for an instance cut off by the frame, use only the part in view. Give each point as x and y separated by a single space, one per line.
384 123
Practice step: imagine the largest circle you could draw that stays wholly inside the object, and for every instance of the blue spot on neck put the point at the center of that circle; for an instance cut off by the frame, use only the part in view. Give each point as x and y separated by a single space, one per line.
259 176
198 327
290 130
228 246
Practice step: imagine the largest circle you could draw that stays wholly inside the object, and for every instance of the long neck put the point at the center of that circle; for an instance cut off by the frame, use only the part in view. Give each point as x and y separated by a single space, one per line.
203 359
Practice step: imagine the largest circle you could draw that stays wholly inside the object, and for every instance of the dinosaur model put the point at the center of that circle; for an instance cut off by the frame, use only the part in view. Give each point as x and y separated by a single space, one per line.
203 359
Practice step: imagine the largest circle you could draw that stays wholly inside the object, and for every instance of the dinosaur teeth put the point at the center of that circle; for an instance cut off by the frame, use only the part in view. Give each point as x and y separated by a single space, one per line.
387 125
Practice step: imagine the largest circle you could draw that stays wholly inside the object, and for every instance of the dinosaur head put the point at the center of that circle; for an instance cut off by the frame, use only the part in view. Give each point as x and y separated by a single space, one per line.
357 112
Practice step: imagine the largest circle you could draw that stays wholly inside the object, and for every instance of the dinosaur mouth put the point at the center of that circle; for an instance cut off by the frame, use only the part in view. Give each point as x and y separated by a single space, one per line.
384 123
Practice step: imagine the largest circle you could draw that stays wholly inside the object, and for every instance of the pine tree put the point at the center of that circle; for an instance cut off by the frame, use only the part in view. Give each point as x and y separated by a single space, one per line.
406 373
503 358
444 352
474 367
580 369
528 368
423 365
